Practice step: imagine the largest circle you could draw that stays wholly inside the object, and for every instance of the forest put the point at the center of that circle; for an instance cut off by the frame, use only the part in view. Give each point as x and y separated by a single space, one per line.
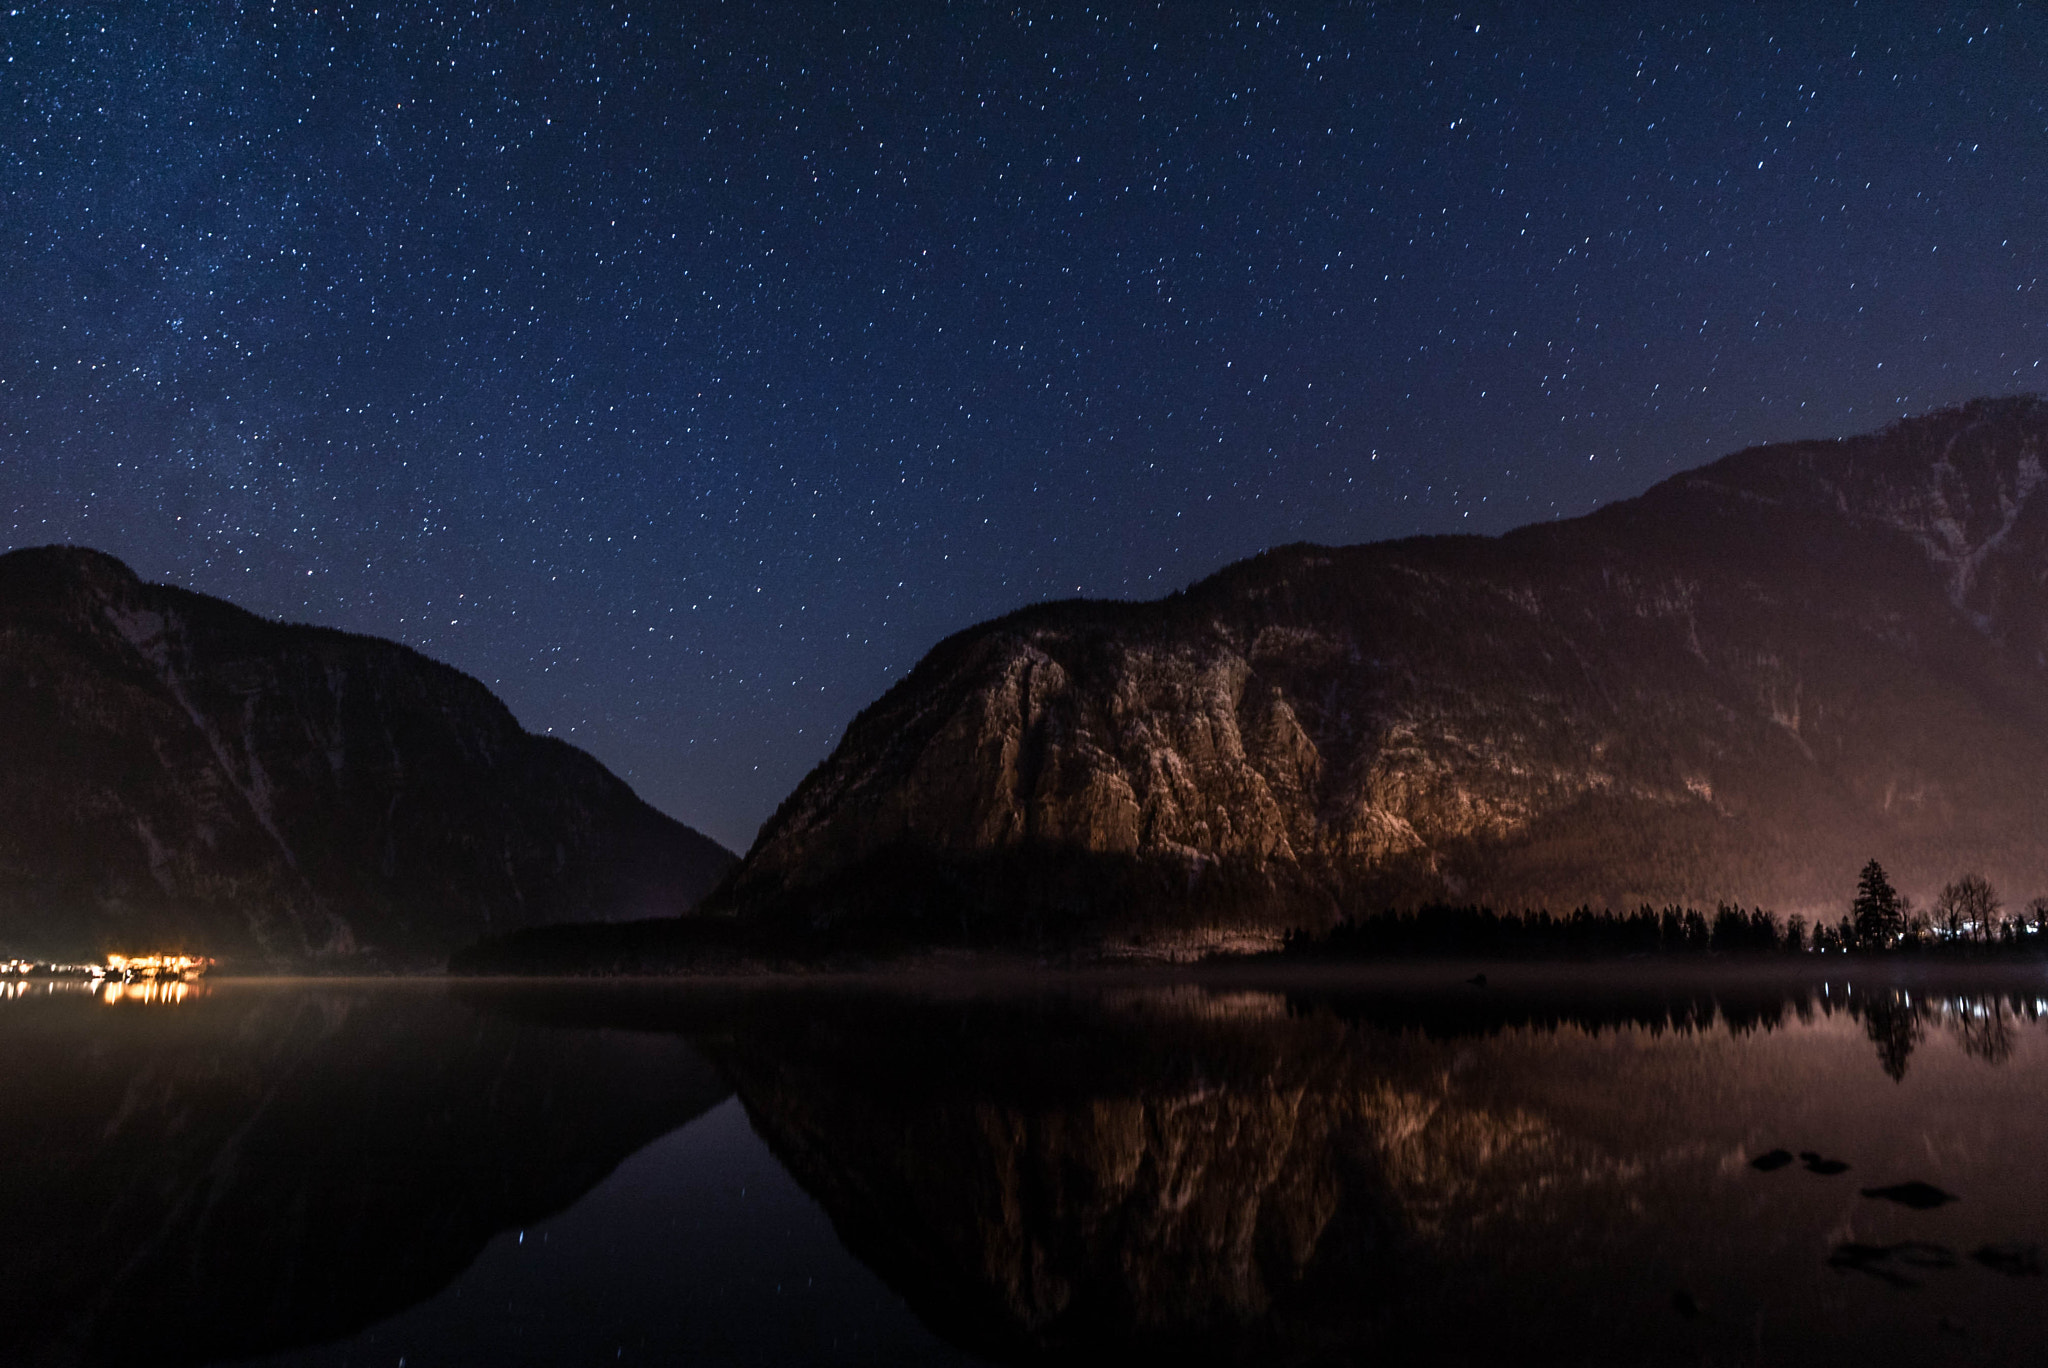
1967 918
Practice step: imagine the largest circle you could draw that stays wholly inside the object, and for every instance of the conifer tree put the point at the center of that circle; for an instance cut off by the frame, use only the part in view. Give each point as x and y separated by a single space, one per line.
1876 912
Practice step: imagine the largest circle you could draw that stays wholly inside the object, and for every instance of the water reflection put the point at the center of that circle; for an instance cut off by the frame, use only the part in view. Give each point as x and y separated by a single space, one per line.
1415 1172
262 1168
1983 1024
1895 1018
161 992
1394 1168
166 992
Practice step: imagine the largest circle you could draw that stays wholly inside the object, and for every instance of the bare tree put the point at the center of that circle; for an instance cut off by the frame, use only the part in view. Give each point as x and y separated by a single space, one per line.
1919 930
1985 1027
1967 907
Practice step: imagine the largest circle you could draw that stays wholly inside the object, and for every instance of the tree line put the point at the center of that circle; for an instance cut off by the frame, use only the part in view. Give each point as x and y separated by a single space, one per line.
1967 916
1967 913
1445 929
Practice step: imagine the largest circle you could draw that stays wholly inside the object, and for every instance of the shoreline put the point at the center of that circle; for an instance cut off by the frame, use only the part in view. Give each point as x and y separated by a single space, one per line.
1447 973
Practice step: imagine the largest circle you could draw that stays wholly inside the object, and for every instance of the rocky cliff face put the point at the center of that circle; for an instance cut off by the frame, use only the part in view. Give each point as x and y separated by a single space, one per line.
178 771
1740 685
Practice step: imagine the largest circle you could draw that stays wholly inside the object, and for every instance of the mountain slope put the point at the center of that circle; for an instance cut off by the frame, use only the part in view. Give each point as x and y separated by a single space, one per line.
179 771
1740 685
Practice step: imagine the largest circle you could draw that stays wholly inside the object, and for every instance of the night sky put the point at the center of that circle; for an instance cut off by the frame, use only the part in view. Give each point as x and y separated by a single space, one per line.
685 372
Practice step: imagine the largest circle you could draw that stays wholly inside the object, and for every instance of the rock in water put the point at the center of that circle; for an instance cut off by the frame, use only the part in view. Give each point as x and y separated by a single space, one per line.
1916 1194
179 772
1739 686
2012 1259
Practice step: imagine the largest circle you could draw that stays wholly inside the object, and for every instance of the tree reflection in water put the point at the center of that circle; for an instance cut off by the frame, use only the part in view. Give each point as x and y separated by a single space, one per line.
1985 1025
1894 1025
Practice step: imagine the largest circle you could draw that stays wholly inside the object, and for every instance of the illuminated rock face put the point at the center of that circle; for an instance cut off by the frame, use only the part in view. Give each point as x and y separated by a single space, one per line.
182 774
1740 685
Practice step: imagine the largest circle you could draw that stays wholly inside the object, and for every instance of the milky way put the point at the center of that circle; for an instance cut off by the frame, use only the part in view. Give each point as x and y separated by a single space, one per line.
684 373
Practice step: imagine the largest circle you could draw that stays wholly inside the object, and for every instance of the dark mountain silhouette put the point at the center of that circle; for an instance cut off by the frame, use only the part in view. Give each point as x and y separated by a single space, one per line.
1741 685
179 772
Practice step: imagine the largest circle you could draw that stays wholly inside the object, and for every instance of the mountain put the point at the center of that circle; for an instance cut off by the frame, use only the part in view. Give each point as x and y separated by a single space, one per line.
1741 685
181 773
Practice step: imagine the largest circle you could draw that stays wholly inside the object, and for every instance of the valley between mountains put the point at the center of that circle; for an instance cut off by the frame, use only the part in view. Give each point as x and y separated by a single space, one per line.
1739 686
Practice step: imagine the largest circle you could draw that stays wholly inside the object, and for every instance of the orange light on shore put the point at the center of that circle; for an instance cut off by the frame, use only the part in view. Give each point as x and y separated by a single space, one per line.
156 966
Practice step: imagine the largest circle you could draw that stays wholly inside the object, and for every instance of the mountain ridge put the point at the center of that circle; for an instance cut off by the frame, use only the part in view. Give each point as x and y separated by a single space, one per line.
183 771
1740 684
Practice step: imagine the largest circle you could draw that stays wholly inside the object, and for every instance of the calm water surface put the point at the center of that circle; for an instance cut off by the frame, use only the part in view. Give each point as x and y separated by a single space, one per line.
1389 1169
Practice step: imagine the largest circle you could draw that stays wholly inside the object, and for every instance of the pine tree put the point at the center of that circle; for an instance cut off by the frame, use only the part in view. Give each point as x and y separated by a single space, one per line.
1876 911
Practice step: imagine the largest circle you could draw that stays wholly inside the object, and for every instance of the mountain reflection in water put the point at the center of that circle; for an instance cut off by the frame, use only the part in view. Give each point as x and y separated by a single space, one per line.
191 1177
1395 1168
1407 1171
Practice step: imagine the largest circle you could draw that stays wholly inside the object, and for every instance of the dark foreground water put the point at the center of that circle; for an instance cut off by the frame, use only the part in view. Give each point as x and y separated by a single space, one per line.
1402 1168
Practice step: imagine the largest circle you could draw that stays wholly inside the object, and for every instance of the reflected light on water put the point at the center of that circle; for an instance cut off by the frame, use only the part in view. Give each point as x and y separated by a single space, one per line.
1393 1167
165 991
150 978
162 992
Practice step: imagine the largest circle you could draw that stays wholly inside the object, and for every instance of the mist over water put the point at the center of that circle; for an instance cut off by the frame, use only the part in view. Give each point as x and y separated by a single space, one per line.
1396 1166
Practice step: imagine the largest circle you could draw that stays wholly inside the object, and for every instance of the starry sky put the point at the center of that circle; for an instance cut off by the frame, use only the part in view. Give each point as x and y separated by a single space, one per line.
685 371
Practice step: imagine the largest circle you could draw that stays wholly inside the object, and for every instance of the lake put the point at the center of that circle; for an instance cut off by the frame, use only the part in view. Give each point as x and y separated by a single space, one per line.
1609 1164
